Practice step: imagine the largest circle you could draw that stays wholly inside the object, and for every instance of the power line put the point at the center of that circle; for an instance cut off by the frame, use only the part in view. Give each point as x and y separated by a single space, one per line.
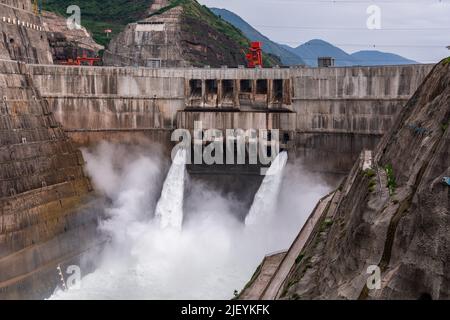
368 45
357 1
350 28
363 60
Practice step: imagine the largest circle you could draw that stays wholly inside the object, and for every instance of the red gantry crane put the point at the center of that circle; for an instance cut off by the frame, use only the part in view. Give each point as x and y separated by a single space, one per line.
254 56
84 60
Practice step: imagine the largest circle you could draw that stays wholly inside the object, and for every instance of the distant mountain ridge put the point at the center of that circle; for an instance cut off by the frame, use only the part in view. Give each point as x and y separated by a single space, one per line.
286 56
312 50
373 57
309 52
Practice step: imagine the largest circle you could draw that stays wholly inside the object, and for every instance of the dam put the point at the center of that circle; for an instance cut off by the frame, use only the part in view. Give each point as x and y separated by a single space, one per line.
49 113
326 115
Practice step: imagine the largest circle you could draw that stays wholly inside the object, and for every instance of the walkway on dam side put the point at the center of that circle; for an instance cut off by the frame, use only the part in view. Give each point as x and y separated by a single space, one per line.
262 276
275 283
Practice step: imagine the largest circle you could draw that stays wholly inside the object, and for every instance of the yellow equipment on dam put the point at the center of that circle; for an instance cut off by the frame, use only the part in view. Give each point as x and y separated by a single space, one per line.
37 6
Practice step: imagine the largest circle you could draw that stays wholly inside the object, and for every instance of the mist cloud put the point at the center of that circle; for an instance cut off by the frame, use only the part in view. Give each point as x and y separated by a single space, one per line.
211 257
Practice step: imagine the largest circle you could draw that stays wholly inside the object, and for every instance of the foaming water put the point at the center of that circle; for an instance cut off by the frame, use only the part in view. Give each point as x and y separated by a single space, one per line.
214 254
169 210
266 199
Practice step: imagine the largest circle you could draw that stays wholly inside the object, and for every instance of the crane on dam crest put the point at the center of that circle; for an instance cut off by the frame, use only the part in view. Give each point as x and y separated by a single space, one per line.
254 56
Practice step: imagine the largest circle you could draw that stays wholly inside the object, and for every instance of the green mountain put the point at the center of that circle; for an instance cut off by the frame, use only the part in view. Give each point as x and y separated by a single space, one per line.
98 15
197 15
286 57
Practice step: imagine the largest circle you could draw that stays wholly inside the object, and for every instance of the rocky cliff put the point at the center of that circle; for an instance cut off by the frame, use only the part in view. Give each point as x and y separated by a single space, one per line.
393 214
179 33
65 43
42 39
98 15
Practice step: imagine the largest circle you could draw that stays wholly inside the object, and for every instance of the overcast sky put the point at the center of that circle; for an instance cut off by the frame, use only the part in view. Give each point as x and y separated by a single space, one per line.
416 29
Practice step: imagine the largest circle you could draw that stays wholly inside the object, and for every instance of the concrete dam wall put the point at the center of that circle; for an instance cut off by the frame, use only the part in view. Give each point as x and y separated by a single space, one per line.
41 186
328 115
42 182
22 34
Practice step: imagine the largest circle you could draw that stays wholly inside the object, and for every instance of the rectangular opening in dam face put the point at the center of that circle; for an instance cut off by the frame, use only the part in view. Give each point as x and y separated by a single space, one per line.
246 86
195 93
286 137
261 94
245 93
277 90
261 86
211 93
195 86
227 93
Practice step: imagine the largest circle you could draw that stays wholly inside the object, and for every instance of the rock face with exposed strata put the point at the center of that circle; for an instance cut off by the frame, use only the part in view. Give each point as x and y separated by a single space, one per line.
395 219
68 43
176 36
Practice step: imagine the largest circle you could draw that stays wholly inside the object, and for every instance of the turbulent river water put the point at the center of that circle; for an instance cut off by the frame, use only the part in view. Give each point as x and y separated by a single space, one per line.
150 256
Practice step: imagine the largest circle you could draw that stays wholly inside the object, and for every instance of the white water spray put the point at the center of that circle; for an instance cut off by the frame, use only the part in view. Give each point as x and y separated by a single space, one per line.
169 210
212 257
265 201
